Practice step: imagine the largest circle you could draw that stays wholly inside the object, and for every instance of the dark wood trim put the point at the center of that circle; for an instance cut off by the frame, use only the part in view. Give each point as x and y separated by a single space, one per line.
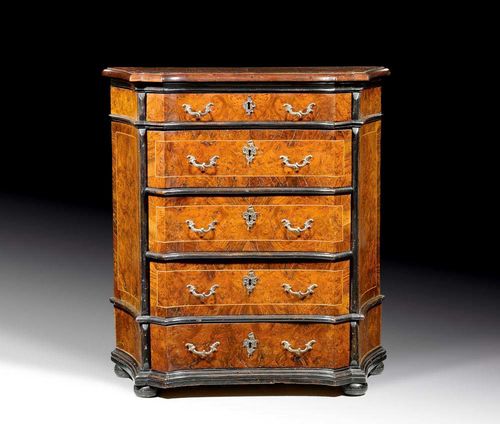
145 333
125 362
211 377
124 306
225 319
217 376
371 303
141 106
356 104
354 283
243 191
247 87
254 256
373 359
227 125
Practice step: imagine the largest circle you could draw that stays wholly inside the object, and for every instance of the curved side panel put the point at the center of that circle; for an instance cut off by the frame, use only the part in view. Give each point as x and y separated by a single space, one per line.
369 332
128 337
369 212
126 214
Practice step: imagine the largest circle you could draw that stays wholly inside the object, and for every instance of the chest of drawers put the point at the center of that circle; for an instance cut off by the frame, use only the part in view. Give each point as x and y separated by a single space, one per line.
246 226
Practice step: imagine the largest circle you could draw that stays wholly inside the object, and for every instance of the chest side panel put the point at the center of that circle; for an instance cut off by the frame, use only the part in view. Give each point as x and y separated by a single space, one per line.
369 211
126 214
124 102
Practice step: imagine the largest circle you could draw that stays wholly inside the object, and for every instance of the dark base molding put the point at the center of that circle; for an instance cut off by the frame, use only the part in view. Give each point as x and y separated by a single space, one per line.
145 391
379 369
352 379
122 373
355 389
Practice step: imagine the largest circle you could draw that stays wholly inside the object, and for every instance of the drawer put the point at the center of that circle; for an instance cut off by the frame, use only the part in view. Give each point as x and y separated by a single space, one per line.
187 289
249 345
262 223
244 158
248 107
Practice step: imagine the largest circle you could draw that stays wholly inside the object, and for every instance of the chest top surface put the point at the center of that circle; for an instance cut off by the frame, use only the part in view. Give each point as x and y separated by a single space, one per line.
240 74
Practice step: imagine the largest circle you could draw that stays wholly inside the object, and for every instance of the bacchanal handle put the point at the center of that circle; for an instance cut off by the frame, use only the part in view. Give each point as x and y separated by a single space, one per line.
202 296
300 113
297 230
300 294
297 165
203 165
197 114
201 231
202 353
298 352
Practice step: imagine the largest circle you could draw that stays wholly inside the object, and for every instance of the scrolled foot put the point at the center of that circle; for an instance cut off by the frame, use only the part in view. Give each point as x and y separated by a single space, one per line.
145 391
355 389
120 372
378 369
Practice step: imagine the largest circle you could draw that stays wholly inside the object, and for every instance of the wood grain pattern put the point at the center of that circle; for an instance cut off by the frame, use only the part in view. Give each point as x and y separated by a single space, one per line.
369 211
330 232
229 107
127 334
170 297
370 101
329 167
370 331
242 74
126 219
169 352
123 102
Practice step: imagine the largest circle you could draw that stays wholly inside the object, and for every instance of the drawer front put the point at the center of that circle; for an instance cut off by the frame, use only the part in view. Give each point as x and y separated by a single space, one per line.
263 158
185 289
275 223
248 107
233 346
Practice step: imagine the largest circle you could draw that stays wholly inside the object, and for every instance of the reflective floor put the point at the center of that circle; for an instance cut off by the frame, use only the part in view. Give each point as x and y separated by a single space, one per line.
56 333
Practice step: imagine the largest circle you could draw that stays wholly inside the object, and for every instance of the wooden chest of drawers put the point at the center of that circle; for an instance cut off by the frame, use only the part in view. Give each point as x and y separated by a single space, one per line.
246 226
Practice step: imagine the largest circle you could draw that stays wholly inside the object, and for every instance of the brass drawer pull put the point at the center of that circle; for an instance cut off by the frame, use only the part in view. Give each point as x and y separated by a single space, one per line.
202 296
301 113
298 352
297 165
202 353
297 230
204 165
301 295
201 231
197 114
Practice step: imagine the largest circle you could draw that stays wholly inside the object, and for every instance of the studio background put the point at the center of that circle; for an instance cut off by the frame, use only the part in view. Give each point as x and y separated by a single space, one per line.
439 261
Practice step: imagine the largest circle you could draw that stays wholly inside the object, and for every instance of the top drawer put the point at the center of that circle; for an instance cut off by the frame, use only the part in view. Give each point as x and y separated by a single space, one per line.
219 107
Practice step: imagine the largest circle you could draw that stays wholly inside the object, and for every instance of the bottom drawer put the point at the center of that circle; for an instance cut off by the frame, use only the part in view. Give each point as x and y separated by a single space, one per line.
249 345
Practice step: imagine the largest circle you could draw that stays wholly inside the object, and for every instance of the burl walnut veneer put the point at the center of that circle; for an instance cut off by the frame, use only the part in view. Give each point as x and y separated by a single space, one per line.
246 226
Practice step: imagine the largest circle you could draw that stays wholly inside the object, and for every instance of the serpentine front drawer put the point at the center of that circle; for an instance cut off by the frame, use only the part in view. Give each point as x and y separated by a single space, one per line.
271 223
249 345
249 158
248 107
190 289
